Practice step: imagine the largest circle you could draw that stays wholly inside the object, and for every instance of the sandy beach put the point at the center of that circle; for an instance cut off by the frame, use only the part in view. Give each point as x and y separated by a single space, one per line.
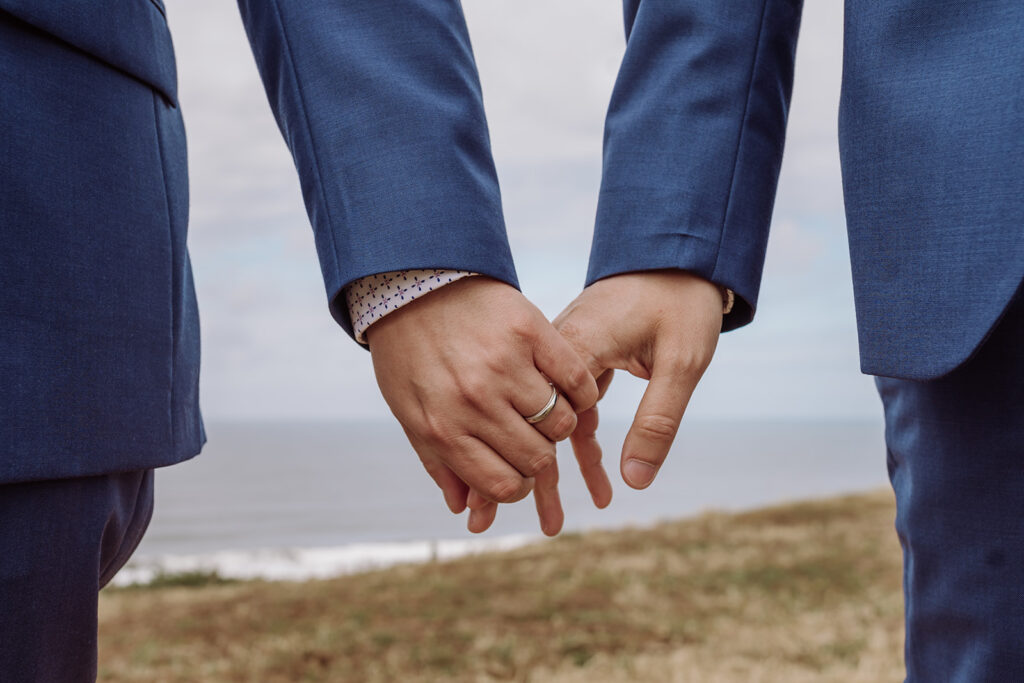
802 592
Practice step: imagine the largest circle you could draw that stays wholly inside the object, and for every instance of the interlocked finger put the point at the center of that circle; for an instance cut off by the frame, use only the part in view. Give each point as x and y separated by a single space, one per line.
541 405
481 513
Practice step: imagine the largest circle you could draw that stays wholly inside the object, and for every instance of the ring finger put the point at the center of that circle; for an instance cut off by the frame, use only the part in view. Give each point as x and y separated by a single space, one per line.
531 398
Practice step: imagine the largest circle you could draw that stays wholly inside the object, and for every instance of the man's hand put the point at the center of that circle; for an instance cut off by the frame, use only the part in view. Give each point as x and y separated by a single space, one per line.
661 326
459 369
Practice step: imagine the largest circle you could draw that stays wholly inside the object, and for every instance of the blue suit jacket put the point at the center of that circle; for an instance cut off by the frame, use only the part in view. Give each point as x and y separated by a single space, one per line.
932 146
380 105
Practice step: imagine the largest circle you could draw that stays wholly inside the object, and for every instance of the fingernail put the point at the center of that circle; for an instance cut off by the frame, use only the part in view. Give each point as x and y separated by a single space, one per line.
638 473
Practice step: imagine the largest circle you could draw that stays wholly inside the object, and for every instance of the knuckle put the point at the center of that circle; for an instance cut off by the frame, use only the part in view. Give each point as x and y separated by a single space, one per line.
571 331
498 362
505 490
579 379
687 365
434 431
563 426
449 441
441 436
473 387
590 459
657 428
538 463
521 325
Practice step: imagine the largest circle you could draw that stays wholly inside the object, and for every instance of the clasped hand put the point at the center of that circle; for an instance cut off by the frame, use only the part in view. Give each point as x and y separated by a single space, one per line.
462 367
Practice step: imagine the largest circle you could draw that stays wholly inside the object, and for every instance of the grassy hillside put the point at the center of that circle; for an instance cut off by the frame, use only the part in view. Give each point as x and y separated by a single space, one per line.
803 592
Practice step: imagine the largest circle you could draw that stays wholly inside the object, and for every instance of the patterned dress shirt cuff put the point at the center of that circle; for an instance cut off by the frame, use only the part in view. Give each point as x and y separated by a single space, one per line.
372 297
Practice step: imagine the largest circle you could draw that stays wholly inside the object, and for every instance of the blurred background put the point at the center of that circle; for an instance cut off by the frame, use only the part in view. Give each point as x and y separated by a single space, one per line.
306 473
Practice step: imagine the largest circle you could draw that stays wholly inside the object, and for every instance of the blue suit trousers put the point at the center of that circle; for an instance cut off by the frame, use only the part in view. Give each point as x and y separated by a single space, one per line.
62 541
956 462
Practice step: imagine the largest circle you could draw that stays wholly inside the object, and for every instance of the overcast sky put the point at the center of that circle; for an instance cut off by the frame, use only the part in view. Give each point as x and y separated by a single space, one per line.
270 348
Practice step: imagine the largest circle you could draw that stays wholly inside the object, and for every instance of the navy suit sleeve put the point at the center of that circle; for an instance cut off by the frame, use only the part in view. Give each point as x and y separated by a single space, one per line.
380 104
693 141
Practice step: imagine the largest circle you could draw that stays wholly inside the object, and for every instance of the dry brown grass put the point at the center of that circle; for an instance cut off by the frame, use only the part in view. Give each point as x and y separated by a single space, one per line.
804 592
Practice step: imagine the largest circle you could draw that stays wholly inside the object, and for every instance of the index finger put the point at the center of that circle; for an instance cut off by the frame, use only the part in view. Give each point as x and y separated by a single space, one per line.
588 454
553 356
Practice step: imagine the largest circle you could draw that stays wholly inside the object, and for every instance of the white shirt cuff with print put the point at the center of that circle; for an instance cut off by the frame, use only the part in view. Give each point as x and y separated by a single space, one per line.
372 297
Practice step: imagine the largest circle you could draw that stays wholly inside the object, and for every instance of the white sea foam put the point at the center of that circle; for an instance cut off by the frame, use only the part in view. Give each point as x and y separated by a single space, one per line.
300 564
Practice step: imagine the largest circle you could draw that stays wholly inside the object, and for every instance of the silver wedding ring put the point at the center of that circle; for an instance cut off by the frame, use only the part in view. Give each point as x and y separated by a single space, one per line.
546 410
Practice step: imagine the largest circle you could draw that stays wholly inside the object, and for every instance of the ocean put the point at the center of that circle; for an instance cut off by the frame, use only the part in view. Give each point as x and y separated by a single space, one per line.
295 501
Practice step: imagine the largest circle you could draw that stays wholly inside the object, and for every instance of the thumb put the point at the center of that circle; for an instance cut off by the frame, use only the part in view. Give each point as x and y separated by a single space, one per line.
657 421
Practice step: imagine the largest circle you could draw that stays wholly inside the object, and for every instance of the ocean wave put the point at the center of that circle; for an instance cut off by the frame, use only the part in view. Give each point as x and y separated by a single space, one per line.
301 564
